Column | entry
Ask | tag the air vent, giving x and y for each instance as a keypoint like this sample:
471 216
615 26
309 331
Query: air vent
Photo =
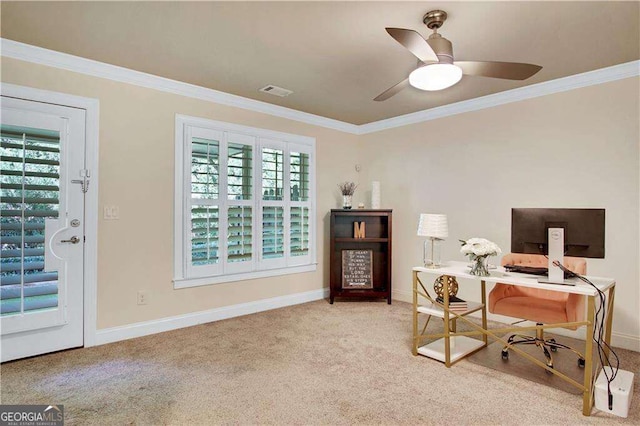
275 90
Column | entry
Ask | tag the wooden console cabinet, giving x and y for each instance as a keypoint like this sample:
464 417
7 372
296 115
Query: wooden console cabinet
360 253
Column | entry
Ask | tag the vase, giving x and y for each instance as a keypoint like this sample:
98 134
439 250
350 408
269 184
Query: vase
375 195
480 266
346 201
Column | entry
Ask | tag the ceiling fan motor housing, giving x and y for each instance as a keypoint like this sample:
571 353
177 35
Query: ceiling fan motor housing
442 47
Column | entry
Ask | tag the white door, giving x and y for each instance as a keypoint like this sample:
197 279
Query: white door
42 184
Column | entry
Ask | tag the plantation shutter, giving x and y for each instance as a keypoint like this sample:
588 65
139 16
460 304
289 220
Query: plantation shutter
29 194
273 204
239 170
300 211
299 176
204 235
240 203
239 231
299 233
246 207
204 201
272 232
272 174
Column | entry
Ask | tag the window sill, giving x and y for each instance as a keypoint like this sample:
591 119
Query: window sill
179 283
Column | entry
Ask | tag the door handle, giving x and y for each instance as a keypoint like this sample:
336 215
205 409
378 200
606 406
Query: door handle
72 240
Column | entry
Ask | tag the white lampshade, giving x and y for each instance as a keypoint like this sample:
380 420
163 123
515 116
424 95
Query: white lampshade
435 76
433 226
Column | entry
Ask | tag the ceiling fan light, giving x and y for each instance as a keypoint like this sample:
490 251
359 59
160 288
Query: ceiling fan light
435 76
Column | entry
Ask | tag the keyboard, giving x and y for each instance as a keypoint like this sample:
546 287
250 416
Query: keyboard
532 270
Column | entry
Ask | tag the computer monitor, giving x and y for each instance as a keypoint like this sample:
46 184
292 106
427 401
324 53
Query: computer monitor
583 231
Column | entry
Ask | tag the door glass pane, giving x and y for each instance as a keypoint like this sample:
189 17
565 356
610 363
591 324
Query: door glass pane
204 235
299 232
272 232
272 174
239 168
239 245
29 194
299 176
205 161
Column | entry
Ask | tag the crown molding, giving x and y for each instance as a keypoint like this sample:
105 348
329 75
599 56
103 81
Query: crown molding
51 58
590 78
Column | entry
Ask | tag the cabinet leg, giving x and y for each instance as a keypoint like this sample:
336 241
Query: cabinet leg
389 300
331 300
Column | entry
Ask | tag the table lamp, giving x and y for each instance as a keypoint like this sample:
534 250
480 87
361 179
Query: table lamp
435 227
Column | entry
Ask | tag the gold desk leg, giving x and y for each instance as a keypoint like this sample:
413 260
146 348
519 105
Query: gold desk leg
609 319
588 358
414 349
447 341
483 289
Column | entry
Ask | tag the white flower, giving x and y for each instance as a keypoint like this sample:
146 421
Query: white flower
479 247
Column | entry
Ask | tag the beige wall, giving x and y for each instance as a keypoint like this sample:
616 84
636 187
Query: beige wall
136 173
572 149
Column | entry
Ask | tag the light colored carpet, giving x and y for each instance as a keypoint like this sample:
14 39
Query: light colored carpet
346 363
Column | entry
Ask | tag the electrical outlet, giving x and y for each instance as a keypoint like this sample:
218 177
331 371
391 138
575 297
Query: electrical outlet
143 298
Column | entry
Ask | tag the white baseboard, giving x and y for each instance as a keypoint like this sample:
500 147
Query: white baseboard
130 331
618 340
403 296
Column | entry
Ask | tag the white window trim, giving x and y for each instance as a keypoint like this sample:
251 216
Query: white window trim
182 202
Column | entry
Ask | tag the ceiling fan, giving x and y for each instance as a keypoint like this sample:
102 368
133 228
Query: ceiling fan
436 68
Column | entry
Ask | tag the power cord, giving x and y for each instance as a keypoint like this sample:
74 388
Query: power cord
598 334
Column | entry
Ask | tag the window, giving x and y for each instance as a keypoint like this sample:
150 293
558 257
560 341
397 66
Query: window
257 187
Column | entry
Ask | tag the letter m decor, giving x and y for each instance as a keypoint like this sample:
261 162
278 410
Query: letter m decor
359 229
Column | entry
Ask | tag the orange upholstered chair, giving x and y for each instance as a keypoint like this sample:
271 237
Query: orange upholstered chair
537 305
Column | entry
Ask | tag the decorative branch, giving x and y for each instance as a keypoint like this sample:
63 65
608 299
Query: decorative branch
347 188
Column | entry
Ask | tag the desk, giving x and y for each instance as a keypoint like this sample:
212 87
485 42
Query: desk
453 346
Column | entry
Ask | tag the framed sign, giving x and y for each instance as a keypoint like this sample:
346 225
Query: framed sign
357 268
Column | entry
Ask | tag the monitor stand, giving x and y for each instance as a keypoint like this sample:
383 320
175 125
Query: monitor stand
561 282
556 253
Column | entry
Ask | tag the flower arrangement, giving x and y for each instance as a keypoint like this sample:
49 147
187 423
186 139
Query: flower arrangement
476 247
478 250
347 188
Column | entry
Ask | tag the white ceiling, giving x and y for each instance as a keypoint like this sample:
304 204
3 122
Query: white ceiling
335 56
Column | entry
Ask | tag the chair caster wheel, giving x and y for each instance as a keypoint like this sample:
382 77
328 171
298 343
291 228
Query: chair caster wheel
550 366
581 362
553 348
505 354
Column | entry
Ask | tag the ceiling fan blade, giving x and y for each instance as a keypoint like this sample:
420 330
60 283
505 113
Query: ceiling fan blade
413 41
507 70
392 90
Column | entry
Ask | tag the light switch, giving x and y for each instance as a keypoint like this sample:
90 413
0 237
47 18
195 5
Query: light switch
111 212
